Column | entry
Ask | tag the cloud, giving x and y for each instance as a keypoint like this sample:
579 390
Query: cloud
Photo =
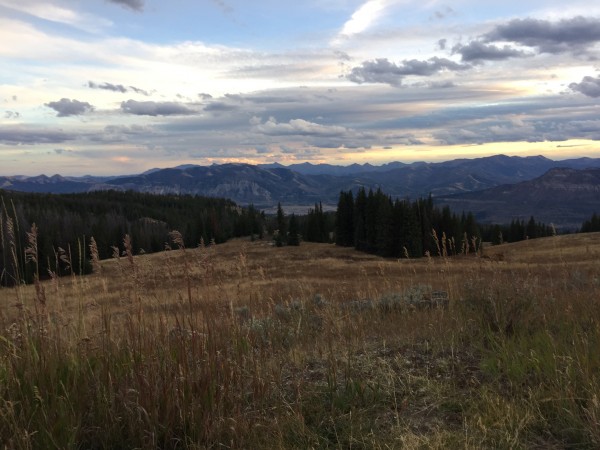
383 71
52 12
262 149
132 130
575 34
510 129
589 86
135 5
203 96
477 51
155 108
220 107
23 136
298 127
107 86
117 88
342 56
11 115
223 6
443 13
441 85
363 17
139 91
66 107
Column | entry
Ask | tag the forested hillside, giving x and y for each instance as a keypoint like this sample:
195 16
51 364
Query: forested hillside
66 223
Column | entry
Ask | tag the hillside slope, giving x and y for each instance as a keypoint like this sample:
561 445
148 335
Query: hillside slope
565 197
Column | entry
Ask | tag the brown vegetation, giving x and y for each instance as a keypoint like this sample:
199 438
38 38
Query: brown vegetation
245 345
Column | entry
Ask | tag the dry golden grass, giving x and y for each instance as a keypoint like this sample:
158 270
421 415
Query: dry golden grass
245 345
258 275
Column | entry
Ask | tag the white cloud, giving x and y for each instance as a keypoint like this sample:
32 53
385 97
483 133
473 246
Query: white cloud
298 127
54 13
364 17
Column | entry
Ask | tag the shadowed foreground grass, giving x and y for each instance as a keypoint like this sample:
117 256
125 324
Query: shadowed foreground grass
248 346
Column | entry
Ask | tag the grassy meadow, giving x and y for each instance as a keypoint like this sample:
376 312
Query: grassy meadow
244 345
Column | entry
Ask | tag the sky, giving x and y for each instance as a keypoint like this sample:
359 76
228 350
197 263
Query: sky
110 87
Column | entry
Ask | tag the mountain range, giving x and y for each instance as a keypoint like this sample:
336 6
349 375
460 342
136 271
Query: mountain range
496 188
562 196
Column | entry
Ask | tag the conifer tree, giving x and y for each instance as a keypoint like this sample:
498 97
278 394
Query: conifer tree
293 236
360 220
344 223
281 235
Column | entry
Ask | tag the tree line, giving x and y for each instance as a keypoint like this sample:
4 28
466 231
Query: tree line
591 225
374 222
517 230
314 226
67 222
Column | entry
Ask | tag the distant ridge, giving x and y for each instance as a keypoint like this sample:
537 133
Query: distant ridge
563 196
307 168
302 185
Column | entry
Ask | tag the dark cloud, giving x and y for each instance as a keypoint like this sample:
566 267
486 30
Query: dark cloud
135 5
155 108
383 71
11 115
342 56
441 85
108 86
477 51
235 97
575 34
204 96
139 91
262 149
219 107
22 136
442 44
66 107
589 86
117 88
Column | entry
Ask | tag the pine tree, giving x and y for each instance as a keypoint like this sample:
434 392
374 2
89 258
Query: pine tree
281 234
293 236
531 230
360 220
344 220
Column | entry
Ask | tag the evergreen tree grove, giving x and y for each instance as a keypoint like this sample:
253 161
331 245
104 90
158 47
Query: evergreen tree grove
591 225
375 223
69 221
